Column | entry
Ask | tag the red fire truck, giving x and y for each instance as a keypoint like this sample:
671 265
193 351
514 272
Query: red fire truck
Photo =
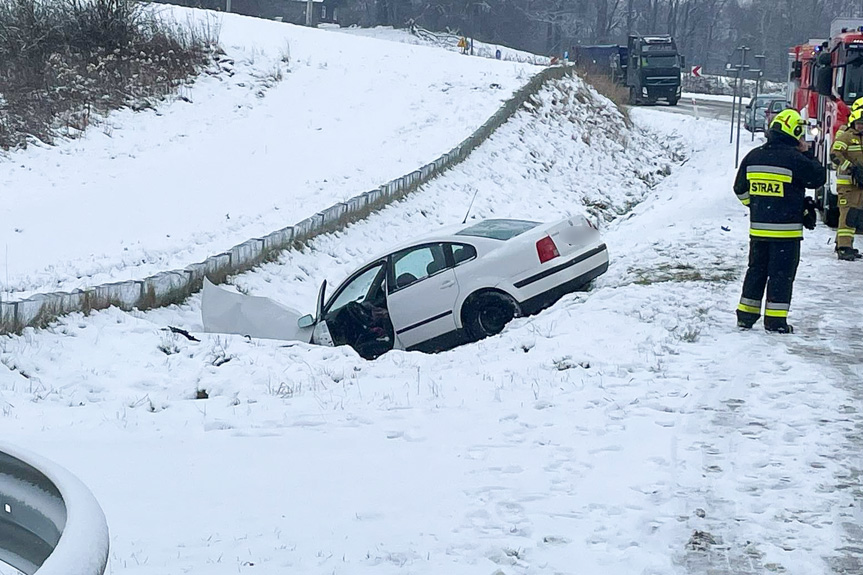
826 76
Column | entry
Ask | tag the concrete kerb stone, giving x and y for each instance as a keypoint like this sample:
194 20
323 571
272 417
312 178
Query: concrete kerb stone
278 240
37 310
8 317
275 242
333 217
374 199
246 255
165 288
308 228
357 205
173 286
124 295
41 309
215 268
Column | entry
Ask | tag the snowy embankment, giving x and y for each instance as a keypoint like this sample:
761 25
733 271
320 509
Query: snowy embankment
292 121
629 429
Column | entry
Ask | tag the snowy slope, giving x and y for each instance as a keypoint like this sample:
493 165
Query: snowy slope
629 429
157 190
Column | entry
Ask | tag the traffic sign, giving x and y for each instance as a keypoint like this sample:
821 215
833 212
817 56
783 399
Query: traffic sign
696 71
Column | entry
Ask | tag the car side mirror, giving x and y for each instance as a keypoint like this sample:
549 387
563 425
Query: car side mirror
306 321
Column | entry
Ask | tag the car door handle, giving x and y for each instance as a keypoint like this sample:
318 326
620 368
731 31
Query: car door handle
447 284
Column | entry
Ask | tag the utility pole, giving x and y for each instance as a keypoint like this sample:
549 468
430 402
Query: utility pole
629 18
760 70
740 67
310 13
740 108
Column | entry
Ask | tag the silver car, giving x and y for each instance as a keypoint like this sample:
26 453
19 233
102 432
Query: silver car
760 111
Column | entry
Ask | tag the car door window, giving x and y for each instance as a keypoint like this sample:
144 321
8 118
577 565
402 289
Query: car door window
356 290
462 253
415 264
777 106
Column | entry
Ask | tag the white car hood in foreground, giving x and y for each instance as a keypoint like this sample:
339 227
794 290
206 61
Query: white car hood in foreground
224 311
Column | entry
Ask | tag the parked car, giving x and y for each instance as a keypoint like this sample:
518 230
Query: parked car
459 284
760 111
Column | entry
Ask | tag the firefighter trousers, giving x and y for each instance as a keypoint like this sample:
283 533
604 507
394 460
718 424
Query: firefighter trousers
850 204
772 265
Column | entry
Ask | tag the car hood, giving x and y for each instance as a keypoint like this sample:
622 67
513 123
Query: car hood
224 311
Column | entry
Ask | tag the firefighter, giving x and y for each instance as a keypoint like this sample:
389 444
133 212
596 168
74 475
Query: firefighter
858 103
847 158
772 182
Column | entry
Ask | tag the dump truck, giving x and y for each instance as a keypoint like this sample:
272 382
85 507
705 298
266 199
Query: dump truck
649 66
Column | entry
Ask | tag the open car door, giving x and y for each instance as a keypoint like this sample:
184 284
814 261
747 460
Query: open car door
223 311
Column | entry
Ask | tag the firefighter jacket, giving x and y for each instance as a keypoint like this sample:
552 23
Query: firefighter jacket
772 181
846 153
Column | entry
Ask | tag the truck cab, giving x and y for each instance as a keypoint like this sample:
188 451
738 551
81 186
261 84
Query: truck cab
653 69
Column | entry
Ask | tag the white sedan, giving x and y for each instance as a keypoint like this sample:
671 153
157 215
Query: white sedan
459 284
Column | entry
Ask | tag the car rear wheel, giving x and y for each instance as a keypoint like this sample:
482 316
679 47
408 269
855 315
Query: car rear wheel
487 313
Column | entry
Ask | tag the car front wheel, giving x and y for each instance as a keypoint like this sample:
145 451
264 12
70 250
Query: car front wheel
487 313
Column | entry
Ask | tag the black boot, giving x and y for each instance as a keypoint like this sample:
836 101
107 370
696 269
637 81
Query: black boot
848 254
785 328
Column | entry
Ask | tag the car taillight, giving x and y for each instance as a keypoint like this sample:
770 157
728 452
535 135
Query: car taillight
546 250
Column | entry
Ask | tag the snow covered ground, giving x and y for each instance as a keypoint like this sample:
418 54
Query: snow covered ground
630 429
241 156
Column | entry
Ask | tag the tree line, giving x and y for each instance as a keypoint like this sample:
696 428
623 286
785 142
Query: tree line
708 32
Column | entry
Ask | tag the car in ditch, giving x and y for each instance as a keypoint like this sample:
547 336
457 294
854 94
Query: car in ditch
459 284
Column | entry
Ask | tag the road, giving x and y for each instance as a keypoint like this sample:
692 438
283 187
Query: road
712 109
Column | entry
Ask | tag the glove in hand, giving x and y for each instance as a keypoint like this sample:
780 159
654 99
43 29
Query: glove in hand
809 213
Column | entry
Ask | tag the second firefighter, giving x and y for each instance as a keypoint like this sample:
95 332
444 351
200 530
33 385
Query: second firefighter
772 181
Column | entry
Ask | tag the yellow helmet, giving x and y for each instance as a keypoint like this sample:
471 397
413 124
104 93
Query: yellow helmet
856 115
789 122
858 103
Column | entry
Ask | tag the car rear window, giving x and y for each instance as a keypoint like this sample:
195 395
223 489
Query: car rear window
498 229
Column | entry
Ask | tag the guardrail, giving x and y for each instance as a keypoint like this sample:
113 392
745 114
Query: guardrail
173 287
50 523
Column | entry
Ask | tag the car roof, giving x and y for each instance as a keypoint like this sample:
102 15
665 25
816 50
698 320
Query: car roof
448 233
770 97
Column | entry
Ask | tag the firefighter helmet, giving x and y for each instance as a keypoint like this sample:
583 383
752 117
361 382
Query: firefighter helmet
856 116
789 122
858 103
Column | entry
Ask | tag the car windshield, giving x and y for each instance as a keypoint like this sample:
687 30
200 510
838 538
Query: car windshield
498 229
762 102
660 62
853 76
